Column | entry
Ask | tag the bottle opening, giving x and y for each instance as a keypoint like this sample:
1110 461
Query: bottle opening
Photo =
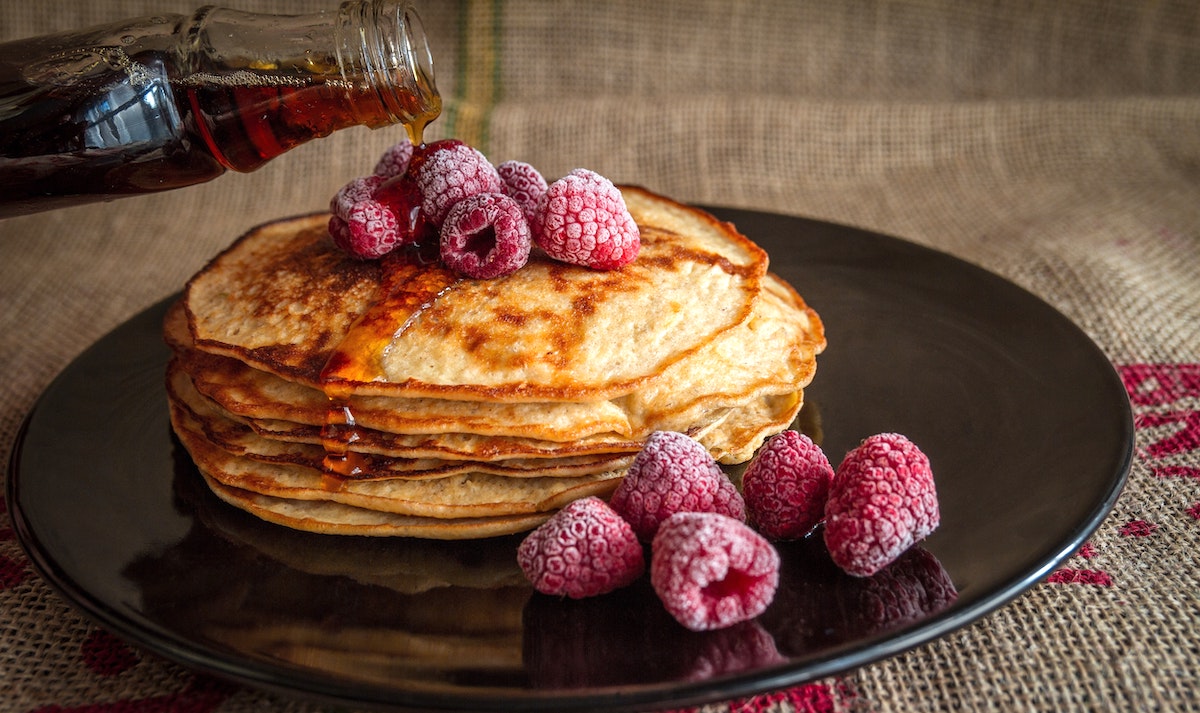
420 59
386 42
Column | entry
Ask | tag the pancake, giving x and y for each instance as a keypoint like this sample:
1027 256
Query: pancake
466 495
223 430
445 451
451 446
256 394
722 374
285 300
735 439
394 398
771 354
467 446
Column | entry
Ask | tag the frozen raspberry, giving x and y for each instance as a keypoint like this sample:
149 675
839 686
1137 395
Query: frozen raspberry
356 191
882 500
368 231
712 571
582 219
584 550
447 172
394 161
786 486
524 184
673 473
485 236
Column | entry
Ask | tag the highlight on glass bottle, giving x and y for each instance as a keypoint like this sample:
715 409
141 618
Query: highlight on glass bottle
168 101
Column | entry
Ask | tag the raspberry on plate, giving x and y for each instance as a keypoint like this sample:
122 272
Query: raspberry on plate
584 550
881 502
484 236
673 473
786 486
582 219
524 184
712 571
447 172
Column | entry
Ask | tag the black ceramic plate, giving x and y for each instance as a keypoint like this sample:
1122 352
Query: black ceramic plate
1026 423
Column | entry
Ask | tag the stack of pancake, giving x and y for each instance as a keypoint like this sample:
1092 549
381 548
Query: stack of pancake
393 397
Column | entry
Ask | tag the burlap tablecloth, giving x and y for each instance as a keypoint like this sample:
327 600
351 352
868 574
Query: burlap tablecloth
1057 144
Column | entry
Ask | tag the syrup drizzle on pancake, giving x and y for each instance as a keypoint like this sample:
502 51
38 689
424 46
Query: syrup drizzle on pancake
410 283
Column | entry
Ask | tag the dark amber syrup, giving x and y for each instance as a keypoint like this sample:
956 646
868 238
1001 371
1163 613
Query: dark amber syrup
113 130
408 285
246 125
338 436
126 125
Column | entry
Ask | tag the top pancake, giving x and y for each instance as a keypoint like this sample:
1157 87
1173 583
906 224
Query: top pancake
284 299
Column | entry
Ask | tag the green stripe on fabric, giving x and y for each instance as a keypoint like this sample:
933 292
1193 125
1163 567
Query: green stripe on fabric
477 88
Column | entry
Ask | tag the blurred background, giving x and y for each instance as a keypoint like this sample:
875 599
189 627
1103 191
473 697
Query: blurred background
975 127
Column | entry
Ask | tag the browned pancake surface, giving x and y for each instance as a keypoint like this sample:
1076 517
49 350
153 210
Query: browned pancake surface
285 300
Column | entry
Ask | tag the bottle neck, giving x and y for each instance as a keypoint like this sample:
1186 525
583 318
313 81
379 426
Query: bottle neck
259 85
382 49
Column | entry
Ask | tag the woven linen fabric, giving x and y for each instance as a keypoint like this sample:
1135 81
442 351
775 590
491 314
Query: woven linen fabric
1056 144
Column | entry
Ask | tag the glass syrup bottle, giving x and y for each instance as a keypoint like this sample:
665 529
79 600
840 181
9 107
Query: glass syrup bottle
163 102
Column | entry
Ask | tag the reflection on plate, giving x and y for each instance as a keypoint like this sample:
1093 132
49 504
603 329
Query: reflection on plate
1028 428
